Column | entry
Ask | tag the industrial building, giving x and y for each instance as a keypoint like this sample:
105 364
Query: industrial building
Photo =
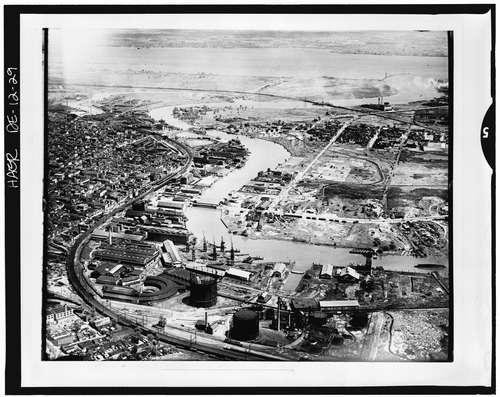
119 293
338 305
304 304
127 252
172 252
59 313
61 338
110 269
326 271
348 274
160 233
380 105
279 269
238 274
264 297
130 280
164 288
205 270
171 204
101 234
107 280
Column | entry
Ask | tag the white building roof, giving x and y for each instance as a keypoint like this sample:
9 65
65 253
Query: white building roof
349 271
115 269
279 267
327 269
350 303
205 269
238 273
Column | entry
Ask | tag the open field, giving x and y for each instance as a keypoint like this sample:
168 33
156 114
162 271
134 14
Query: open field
420 174
417 201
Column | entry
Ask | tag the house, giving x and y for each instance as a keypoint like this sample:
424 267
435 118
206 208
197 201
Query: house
326 271
348 274
279 269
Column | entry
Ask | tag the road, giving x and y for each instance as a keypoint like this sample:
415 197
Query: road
371 341
388 180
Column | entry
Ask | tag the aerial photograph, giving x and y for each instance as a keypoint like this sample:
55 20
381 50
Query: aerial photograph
257 195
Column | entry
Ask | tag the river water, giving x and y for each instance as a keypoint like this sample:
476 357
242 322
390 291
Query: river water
262 155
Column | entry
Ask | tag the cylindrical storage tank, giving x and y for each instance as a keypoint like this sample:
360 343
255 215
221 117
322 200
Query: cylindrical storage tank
245 325
318 319
203 292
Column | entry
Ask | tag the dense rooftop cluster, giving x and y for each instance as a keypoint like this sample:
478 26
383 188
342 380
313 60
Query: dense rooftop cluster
97 162
90 336
232 153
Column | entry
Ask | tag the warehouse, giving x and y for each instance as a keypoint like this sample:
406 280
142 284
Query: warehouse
157 233
326 271
338 305
108 280
238 274
101 234
176 205
199 268
130 280
172 251
304 304
279 269
348 274
133 253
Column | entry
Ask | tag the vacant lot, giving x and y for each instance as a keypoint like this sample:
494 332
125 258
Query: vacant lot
421 173
417 201
352 191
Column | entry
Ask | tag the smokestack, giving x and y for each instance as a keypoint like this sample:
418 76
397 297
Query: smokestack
110 238
279 314
232 253
206 319
214 250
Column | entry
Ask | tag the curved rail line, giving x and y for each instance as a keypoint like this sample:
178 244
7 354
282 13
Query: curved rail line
89 295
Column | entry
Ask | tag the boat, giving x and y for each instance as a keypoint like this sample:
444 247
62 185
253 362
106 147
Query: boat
429 266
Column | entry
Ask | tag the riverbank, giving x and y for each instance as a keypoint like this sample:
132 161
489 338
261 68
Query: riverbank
206 222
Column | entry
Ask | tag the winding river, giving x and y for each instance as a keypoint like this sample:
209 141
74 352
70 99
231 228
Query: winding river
262 155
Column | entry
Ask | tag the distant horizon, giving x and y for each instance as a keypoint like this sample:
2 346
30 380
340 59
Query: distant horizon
378 42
